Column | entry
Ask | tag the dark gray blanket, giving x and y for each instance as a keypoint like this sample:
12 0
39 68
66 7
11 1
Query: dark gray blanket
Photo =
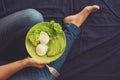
95 54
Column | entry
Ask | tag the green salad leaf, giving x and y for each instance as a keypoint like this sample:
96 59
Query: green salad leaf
53 29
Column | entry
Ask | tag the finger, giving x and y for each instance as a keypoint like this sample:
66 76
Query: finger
43 62
40 66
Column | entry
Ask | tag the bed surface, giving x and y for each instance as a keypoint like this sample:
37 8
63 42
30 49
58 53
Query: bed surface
95 54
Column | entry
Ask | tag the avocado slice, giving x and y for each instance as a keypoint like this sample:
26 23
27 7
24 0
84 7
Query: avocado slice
53 50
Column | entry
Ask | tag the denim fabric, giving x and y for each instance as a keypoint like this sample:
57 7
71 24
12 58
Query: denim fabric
13 30
71 33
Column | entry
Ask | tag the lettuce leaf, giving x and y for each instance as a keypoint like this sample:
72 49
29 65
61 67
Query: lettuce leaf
53 29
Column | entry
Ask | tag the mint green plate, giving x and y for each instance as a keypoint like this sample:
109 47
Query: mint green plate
55 47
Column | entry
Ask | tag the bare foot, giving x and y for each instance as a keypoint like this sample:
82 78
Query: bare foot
80 17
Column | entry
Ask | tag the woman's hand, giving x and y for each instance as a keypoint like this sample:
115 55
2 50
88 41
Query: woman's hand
8 70
34 62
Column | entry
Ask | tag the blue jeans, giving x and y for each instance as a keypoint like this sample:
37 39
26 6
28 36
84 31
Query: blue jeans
13 29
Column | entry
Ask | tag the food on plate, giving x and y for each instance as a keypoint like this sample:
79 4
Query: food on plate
44 37
48 39
34 37
52 51
41 49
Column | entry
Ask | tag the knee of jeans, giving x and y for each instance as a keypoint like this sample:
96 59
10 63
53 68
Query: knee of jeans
33 15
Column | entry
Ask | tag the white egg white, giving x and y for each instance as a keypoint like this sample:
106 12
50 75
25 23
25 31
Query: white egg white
41 49
44 37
